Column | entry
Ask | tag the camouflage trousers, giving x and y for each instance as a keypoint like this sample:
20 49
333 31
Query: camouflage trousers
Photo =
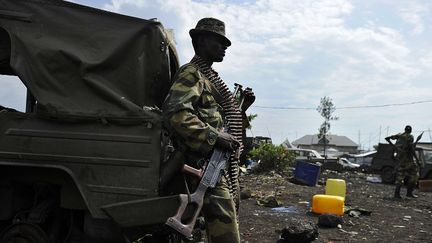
407 169
220 214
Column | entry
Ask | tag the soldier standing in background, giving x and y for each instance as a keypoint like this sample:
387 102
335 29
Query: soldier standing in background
198 106
408 168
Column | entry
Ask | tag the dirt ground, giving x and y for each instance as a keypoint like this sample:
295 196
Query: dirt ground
391 220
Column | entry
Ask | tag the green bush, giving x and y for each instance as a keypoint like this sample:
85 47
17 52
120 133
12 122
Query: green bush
273 157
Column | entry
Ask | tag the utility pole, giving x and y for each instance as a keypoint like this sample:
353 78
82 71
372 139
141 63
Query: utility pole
359 143
268 132
325 156
379 136
370 137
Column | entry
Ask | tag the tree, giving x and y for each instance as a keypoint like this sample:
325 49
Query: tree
251 117
273 157
326 109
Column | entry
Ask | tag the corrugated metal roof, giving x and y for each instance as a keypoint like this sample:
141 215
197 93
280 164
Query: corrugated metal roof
332 140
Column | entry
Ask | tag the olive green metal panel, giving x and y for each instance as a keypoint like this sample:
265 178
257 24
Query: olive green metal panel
143 212
109 163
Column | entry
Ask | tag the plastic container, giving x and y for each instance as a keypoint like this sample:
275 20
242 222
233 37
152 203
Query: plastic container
307 173
328 204
335 187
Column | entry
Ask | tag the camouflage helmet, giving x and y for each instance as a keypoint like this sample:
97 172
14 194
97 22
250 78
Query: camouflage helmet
210 26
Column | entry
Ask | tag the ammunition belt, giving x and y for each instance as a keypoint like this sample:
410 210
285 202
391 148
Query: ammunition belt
233 118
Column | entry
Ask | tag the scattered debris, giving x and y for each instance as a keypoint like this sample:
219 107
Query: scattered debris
362 199
349 232
290 209
374 179
304 202
242 169
269 201
357 212
299 231
245 194
354 213
329 220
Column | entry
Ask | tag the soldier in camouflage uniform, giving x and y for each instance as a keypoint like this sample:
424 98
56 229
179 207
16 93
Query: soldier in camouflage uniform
196 109
407 168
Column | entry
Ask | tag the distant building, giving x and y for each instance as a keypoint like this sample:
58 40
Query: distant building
336 145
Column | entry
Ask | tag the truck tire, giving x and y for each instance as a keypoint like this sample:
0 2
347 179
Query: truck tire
388 175
25 233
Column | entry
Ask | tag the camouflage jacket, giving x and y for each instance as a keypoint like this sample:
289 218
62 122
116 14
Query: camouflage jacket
191 112
404 146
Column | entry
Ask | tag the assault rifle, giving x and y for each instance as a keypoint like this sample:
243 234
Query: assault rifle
211 176
413 149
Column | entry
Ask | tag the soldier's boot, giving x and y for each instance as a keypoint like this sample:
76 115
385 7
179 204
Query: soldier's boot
397 192
410 190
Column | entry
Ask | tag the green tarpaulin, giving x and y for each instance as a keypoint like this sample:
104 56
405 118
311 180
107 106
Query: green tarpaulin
84 62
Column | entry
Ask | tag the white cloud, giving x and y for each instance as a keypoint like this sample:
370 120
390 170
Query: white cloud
414 14
426 60
116 5
294 52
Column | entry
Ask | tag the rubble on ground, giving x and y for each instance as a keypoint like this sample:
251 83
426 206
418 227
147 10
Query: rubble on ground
371 213
299 230
329 220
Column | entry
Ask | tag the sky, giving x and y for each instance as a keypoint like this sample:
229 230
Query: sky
373 58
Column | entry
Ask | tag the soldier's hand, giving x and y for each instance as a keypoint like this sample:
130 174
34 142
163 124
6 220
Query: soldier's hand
227 141
249 98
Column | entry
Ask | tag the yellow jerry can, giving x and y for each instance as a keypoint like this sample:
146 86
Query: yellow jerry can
335 187
328 204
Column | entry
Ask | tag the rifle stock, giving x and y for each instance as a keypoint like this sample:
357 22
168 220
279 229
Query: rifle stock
192 171
210 177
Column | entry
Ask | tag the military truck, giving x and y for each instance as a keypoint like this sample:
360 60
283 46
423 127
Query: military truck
83 163
384 162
